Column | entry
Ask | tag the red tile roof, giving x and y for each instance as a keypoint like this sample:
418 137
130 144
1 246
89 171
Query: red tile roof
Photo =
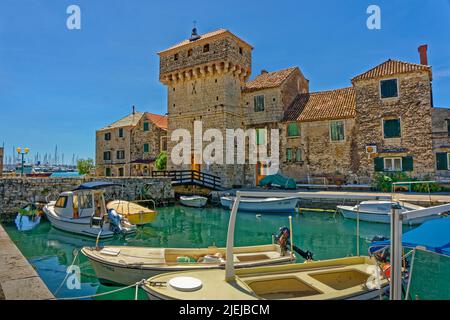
130 120
268 80
157 119
325 105
391 67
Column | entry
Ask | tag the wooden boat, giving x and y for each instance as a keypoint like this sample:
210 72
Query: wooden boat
136 214
380 211
193 201
345 278
263 205
83 211
128 265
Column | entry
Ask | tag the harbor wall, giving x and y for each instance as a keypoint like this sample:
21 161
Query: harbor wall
16 192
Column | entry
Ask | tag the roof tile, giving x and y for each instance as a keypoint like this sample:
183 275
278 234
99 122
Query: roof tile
268 80
391 67
325 105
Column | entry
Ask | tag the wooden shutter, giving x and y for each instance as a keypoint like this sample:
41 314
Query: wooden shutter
379 164
441 161
391 128
407 164
292 129
388 88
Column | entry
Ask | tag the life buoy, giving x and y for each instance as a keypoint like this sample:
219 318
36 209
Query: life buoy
386 267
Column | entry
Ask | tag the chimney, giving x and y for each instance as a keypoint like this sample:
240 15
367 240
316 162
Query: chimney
423 54
264 71
134 110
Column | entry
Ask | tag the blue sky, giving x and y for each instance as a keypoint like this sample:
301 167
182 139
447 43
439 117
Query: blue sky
57 86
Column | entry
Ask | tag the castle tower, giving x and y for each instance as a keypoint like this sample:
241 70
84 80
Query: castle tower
204 76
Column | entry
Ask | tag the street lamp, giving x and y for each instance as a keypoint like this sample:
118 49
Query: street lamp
25 151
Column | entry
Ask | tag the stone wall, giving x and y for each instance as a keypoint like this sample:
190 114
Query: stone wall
441 136
412 107
16 192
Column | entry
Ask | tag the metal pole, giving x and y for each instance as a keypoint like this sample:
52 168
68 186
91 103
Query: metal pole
410 274
357 231
22 170
396 253
292 236
229 266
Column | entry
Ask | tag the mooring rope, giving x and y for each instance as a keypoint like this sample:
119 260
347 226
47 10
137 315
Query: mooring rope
136 285
67 274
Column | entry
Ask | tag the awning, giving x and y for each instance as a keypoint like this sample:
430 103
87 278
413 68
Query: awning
94 185
433 235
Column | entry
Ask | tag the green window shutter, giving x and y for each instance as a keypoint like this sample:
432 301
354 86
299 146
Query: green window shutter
388 88
260 136
146 147
293 129
407 164
379 164
299 155
258 102
337 130
146 126
448 127
441 161
288 154
392 128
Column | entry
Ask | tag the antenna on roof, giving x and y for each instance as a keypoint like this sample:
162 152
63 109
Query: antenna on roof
194 34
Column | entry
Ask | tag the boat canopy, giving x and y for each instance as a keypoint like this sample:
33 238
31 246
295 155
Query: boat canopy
278 180
95 185
432 236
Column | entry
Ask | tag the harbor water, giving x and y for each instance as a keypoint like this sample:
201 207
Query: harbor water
327 235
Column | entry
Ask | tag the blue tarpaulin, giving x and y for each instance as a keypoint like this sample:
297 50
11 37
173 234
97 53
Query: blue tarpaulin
96 185
433 235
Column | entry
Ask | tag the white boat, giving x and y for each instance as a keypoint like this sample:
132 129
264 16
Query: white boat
193 201
83 211
28 217
263 205
380 211
126 265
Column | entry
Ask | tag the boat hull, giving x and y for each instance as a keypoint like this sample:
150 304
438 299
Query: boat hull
279 205
378 217
79 226
195 202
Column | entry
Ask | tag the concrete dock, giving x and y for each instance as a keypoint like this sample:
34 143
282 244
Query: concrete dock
18 279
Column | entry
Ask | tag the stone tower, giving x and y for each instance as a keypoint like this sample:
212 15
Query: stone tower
204 76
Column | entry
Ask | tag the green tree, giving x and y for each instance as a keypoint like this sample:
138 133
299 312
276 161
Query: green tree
85 166
161 161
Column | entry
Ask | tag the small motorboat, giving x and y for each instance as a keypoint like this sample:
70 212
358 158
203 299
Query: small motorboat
28 217
380 211
136 214
351 278
83 211
193 201
127 265
263 205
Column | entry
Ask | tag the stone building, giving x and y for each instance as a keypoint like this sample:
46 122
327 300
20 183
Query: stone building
129 146
441 141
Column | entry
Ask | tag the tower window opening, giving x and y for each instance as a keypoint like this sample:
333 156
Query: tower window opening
206 48
240 50
175 56
189 52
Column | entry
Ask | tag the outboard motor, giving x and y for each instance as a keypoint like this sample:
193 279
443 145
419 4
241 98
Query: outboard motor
283 239
115 221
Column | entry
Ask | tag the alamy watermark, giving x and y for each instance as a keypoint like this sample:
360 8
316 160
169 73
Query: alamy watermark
73 22
374 20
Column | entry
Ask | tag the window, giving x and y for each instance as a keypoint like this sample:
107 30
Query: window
260 136
121 172
108 136
337 131
61 202
448 127
108 172
258 103
293 130
393 164
175 56
146 126
443 161
163 143
146 147
298 155
388 88
107 155
206 48
121 133
288 154
391 128
120 154
189 52
241 50
85 201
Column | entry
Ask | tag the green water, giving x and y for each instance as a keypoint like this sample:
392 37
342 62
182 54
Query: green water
327 235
